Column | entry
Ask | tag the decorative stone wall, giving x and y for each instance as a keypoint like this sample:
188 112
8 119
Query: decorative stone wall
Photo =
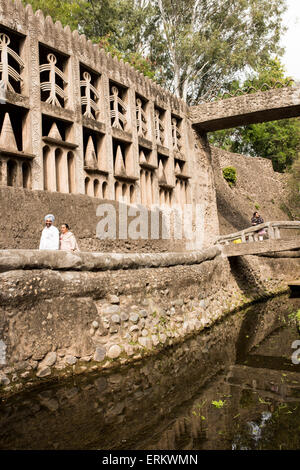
60 322
74 120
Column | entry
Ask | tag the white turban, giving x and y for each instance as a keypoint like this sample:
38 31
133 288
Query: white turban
50 216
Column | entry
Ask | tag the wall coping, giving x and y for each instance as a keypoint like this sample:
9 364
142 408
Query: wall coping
89 261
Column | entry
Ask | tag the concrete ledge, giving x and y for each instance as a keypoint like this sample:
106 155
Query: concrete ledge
256 248
84 261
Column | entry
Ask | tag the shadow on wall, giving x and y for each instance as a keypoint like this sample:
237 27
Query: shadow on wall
245 277
228 211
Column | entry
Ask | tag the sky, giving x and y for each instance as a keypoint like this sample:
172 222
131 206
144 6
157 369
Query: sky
291 39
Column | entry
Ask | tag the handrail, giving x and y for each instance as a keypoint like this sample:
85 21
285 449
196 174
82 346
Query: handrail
250 234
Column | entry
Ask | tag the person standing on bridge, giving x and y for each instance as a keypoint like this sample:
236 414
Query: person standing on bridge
257 220
50 235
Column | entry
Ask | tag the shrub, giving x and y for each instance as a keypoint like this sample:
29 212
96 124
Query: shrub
229 174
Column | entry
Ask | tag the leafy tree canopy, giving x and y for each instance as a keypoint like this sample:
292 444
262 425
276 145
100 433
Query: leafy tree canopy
194 45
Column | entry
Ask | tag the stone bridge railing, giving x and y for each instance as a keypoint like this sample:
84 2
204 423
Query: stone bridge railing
271 229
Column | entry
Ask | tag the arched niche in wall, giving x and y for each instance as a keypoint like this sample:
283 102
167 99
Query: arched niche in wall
26 175
71 172
132 193
104 190
86 184
96 188
11 173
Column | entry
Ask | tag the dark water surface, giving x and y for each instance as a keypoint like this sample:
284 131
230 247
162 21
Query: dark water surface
234 386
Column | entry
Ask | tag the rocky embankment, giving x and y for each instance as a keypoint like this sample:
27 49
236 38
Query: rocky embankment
59 320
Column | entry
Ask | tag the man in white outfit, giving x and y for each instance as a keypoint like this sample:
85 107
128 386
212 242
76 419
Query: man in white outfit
50 235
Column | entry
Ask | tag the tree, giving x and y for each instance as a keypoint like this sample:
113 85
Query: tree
202 43
114 24
277 140
195 45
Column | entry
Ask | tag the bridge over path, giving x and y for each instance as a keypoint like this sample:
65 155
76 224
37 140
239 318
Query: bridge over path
247 242
271 105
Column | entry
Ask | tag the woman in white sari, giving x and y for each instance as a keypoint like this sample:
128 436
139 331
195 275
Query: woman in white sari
67 239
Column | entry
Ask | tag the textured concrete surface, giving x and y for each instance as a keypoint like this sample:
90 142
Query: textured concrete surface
262 106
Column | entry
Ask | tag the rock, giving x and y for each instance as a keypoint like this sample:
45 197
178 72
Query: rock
134 328
113 329
100 384
162 338
134 318
178 302
100 354
86 358
186 327
25 374
113 299
202 303
92 331
61 352
145 332
50 359
126 336
33 364
43 372
111 309
71 360
50 403
4 380
124 316
129 349
145 342
116 319
143 313
114 351
95 324
155 340
116 410
145 303
179 319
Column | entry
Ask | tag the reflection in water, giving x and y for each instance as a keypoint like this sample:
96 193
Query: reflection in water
231 387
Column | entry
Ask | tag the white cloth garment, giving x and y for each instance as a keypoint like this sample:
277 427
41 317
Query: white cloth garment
49 238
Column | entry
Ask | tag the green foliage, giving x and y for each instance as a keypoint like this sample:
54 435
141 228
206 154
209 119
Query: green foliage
105 22
257 206
192 47
278 141
229 174
294 189
219 403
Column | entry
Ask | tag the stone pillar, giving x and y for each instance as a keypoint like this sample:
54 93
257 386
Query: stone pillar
51 170
19 176
3 181
148 189
143 187
63 173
